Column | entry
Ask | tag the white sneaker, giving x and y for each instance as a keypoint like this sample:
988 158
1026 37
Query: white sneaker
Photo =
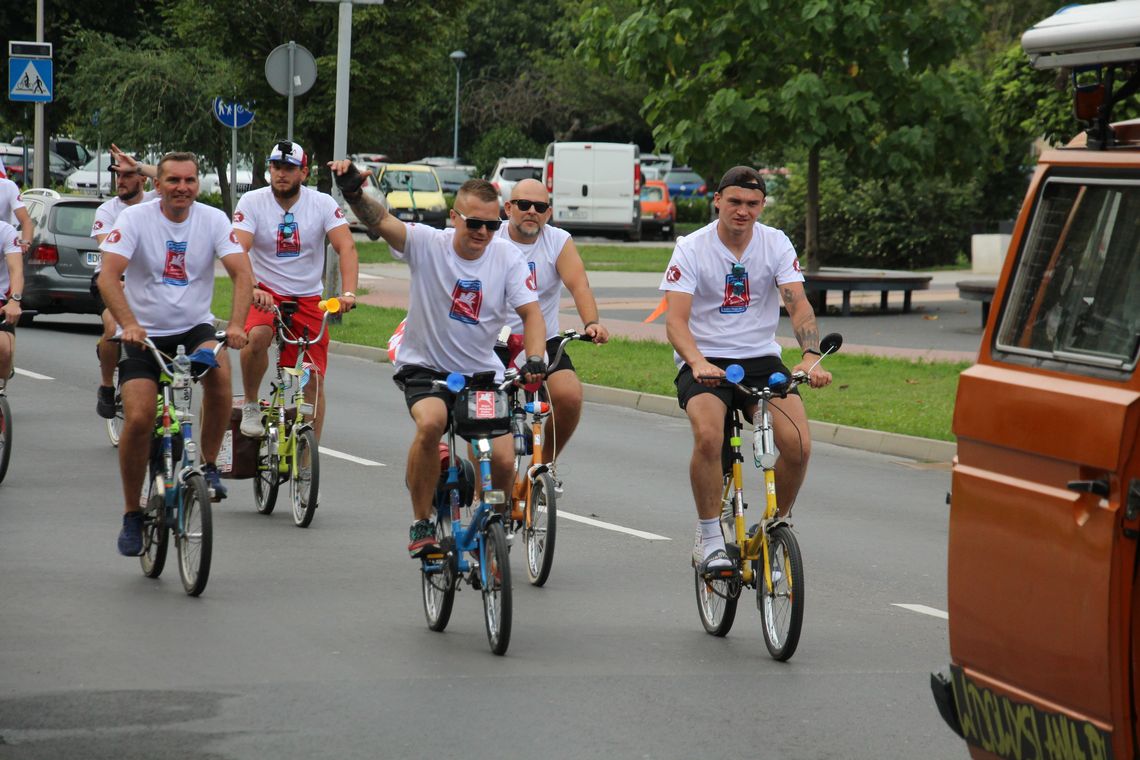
251 421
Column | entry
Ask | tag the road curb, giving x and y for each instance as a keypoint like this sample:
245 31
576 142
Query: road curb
892 444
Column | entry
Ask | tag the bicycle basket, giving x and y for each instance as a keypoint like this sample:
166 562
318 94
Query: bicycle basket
481 413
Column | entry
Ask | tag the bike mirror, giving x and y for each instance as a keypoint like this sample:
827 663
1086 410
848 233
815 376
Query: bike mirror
830 343
204 356
455 382
734 373
777 380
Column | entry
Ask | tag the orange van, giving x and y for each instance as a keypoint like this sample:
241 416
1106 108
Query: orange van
1045 494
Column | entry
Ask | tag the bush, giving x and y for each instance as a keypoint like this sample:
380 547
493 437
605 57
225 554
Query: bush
502 142
692 209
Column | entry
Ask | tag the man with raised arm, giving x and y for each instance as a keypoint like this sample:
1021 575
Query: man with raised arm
465 284
724 285
166 249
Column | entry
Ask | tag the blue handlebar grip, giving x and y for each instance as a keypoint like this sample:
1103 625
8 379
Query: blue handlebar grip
734 373
455 382
777 380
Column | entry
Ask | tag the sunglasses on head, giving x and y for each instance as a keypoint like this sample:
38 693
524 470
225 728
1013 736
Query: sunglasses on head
525 205
287 226
474 224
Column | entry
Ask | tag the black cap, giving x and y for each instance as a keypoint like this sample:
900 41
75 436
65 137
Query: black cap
742 176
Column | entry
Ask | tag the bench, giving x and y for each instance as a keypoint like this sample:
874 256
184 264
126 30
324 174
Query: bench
978 290
817 283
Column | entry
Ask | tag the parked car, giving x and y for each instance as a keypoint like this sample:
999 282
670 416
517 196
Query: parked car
370 158
72 151
93 178
683 182
209 182
369 187
413 194
509 171
595 187
658 212
453 177
656 166
58 167
62 256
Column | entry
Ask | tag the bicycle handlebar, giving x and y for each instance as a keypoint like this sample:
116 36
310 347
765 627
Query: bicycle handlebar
166 362
331 306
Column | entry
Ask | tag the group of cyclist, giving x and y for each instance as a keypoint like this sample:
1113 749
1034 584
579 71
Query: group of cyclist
724 286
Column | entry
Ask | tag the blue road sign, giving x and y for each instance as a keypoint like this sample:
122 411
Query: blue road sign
30 79
232 115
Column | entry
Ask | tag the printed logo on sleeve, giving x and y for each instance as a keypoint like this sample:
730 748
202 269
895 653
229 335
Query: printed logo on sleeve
796 265
174 273
466 301
98 225
673 273
238 217
532 280
115 236
339 213
233 238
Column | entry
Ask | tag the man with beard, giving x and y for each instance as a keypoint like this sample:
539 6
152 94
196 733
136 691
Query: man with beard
129 183
283 228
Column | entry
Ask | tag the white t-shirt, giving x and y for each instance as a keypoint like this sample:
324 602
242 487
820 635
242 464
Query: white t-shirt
9 243
170 277
542 261
734 316
9 200
290 264
108 212
457 307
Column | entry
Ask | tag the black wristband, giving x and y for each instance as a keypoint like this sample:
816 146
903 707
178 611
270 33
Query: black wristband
589 324
807 351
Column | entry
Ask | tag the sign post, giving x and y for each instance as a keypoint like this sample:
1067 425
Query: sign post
30 80
235 116
290 70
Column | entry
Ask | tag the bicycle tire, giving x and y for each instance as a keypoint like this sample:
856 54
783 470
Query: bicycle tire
5 436
156 533
115 424
305 483
196 539
268 477
541 529
716 604
782 610
496 582
439 586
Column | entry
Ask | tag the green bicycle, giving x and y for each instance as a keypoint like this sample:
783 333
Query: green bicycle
287 450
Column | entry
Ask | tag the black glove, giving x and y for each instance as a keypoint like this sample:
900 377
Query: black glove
350 182
535 365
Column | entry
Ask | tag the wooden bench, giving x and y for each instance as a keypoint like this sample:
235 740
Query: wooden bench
978 290
846 280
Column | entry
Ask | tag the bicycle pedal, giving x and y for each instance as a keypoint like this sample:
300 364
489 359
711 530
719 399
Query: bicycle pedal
721 574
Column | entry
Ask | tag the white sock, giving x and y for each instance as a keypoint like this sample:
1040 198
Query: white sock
711 536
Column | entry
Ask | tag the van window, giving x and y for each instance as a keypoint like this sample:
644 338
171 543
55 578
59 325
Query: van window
1076 299
519 173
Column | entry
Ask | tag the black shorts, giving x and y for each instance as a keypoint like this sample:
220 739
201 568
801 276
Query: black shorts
415 382
96 294
756 374
551 348
139 362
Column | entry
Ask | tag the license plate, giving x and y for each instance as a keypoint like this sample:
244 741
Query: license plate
93 258
88 191
572 214
406 215
647 215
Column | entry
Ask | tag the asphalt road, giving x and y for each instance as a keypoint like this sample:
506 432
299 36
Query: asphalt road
312 643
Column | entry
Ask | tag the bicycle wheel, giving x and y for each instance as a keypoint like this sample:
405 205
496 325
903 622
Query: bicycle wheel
782 610
540 532
196 540
496 587
306 478
156 533
439 584
716 603
115 424
5 436
268 476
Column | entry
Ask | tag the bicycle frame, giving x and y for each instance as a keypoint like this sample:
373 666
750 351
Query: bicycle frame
754 547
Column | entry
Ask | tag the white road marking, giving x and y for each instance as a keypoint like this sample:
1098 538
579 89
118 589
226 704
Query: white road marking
363 276
924 610
351 458
33 375
611 526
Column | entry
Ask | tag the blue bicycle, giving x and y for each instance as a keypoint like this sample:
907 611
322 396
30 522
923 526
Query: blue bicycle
470 531
175 498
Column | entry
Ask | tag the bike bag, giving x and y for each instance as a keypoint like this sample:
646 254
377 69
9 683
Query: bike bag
481 411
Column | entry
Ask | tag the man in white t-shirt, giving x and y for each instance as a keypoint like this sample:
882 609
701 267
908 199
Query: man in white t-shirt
129 191
11 283
553 261
283 228
464 285
724 284
12 209
166 249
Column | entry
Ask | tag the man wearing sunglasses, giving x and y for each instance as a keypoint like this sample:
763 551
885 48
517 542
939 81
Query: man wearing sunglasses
465 284
724 286
553 261
283 228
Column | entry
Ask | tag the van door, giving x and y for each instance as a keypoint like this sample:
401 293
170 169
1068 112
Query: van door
612 189
573 176
1042 550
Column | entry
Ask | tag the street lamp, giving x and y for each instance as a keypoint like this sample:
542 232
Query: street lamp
457 57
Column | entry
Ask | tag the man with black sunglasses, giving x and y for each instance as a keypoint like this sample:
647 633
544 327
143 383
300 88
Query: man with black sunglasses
465 284
553 261
283 228
724 284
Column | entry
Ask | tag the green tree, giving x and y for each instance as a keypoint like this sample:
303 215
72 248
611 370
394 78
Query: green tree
502 142
760 80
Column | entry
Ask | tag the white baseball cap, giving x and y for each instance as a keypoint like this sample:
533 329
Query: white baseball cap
289 152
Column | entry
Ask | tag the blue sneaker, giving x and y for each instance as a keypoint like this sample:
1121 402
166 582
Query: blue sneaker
214 482
130 537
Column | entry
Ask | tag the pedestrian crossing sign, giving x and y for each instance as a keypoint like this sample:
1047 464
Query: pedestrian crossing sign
30 80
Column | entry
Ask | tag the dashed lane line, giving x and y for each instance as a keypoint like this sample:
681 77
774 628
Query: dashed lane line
922 609
611 526
350 457
33 375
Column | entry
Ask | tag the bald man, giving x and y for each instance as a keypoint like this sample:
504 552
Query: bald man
554 261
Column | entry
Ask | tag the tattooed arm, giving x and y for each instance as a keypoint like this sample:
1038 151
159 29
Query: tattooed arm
370 211
806 330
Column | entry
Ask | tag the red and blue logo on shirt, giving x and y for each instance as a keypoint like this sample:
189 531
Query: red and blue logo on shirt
532 280
466 301
736 293
174 273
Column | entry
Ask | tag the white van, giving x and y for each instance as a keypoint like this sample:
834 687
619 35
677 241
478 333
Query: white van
595 187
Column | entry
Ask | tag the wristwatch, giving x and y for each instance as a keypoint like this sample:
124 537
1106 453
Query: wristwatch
16 297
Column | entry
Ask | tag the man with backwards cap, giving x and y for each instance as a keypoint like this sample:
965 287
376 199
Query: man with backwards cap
283 228
724 286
